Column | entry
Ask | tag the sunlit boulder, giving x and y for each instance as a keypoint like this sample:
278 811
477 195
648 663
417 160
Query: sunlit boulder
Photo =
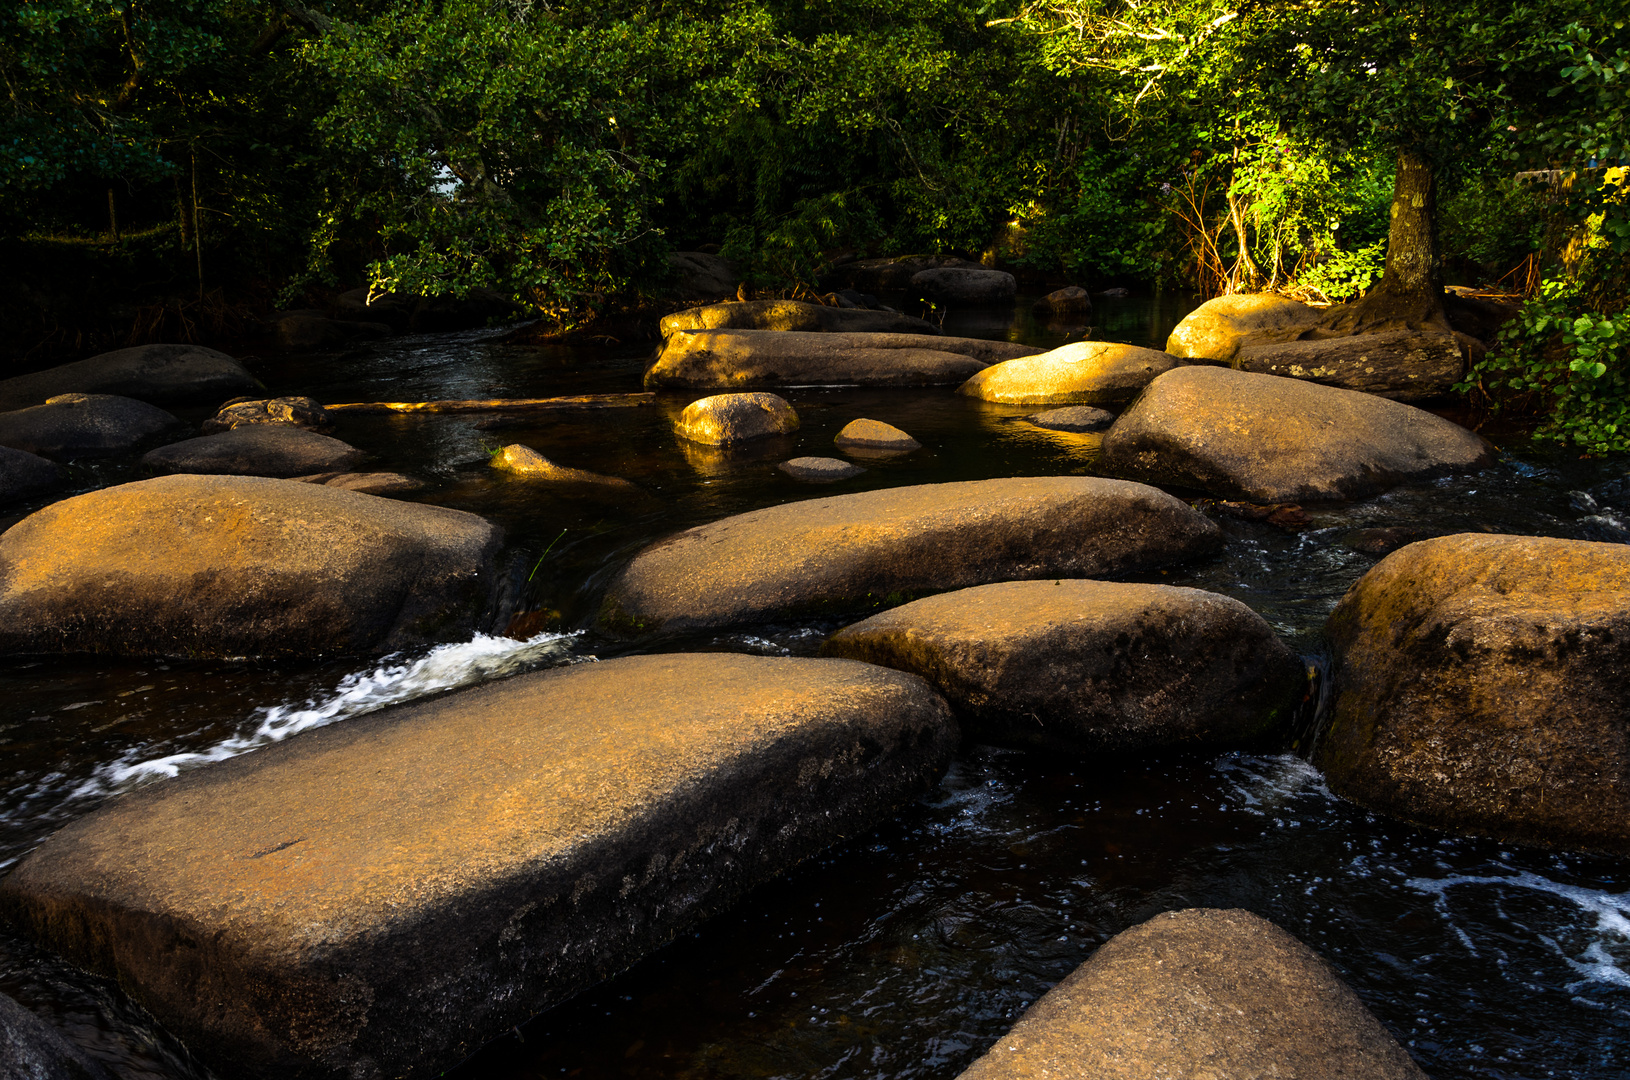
1216 329
1080 373
727 419
793 315
874 436
527 462
737 359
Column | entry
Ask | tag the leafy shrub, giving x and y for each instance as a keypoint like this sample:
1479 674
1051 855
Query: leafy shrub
1346 274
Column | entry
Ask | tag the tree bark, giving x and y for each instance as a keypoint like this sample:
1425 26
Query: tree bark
1410 293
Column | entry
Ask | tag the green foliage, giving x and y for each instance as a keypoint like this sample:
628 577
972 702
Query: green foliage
1346 274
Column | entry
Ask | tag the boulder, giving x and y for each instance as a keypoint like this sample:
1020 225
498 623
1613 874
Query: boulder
699 276
820 470
875 435
234 565
727 359
881 548
726 419
1406 365
157 374
292 411
1265 439
24 475
527 462
964 287
378 898
1079 667
1073 300
30 1049
270 450
300 331
1080 373
1481 684
1216 329
84 425
793 315
1199 993
1074 418
373 483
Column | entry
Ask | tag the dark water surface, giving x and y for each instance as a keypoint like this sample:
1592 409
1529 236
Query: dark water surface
907 952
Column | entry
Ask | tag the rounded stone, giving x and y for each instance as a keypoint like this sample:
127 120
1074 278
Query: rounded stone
84 425
1077 418
738 359
792 315
725 419
820 470
24 475
874 435
527 462
966 287
261 450
1217 328
1080 373
1071 300
293 411
158 374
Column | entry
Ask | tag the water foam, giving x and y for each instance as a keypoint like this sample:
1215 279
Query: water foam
446 667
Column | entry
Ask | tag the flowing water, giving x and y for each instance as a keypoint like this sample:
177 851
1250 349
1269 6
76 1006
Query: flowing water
907 952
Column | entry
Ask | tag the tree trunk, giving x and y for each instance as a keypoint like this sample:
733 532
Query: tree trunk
1410 294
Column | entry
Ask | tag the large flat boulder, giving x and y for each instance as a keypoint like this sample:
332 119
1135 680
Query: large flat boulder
1265 439
733 359
1080 373
380 897
24 475
966 286
235 566
1217 329
1406 365
1482 684
265 450
1080 666
1199 993
881 548
157 374
793 315
84 425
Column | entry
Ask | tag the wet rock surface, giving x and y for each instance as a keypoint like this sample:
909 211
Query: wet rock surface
1218 328
72 426
1265 439
240 566
1080 373
1199 993
1480 684
728 419
263 450
1078 666
882 548
380 897
157 374
24 475
820 470
966 287
727 359
527 462
30 1049
874 435
793 315
1073 418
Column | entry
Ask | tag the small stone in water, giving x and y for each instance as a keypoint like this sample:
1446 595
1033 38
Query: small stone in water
819 470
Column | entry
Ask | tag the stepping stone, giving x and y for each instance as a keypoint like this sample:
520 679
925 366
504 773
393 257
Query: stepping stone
1199 993
736 359
1080 373
527 462
881 548
1076 418
382 896
266 450
966 287
1264 439
241 566
726 419
1478 686
158 374
24 475
793 315
875 435
1079 666
293 411
84 425
819 470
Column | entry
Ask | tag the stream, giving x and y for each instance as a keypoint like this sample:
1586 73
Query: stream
909 951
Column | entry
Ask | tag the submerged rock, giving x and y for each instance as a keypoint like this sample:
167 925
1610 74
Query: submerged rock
1084 666
380 897
793 315
30 1049
966 287
291 411
238 565
1080 373
726 419
1265 439
1199 993
882 548
1072 300
157 374
1076 418
1402 364
1216 329
84 425
269 450
1480 684
527 462
875 435
742 358
820 470
24 475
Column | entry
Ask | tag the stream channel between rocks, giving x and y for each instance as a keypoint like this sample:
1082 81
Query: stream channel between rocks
909 951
